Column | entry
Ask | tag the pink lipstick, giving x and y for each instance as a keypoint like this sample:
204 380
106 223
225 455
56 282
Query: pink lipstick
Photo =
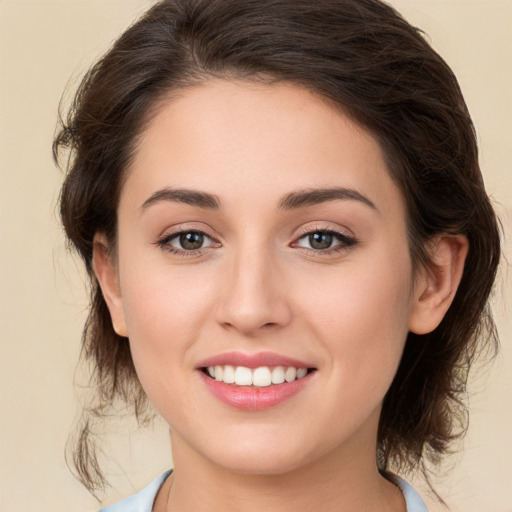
254 382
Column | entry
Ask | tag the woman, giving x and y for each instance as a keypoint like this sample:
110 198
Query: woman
290 247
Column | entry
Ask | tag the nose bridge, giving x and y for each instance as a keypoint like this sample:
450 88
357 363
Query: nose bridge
254 296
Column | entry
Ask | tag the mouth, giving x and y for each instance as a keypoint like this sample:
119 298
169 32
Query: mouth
255 382
260 377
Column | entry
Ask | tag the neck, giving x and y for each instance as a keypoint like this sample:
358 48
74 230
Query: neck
336 482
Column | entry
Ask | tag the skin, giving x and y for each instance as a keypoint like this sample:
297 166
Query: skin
256 285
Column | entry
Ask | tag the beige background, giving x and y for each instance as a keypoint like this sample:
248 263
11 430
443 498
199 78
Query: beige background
42 301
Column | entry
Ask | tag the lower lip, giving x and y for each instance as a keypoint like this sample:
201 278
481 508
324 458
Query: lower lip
254 398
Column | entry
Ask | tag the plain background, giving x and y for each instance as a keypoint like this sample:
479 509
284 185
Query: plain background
48 44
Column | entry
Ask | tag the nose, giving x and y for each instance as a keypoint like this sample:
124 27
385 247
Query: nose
254 294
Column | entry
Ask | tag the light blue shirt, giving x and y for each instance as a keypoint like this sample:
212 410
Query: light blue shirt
143 500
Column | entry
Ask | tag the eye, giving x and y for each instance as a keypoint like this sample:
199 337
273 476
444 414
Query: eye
325 241
186 242
319 240
189 241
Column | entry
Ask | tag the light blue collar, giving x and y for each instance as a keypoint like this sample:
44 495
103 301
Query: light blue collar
143 501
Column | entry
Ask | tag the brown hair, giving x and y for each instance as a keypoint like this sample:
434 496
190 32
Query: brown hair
360 54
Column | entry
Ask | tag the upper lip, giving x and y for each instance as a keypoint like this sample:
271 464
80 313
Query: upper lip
254 360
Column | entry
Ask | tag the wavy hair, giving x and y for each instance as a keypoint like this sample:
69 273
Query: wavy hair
361 55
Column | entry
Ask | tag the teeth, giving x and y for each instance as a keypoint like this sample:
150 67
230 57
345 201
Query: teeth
262 377
258 377
243 376
278 375
290 374
301 372
229 374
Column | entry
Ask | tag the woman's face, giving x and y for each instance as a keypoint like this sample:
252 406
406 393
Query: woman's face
259 228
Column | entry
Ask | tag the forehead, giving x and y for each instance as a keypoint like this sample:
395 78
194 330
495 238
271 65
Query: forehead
237 138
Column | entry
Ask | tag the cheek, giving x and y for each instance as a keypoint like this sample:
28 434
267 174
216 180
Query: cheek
361 315
164 305
166 310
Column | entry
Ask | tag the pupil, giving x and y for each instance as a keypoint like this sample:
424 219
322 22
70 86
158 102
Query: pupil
191 241
320 240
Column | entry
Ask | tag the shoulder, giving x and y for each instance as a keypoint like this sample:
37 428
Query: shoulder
412 498
142 501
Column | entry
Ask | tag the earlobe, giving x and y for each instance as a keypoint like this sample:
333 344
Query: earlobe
106 272
436 285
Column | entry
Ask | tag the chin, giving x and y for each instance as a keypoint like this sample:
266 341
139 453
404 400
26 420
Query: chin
271 457
270 464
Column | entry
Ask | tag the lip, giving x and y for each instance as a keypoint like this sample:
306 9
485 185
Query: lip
248 398
253 360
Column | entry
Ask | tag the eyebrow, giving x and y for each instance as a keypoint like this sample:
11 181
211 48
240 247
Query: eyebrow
191 197
310 197
292 201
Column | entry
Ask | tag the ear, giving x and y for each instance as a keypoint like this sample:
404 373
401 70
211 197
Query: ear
435 286
105 269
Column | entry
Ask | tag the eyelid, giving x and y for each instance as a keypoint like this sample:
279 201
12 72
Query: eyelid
164 239
324 226
187 227
175 236
346 240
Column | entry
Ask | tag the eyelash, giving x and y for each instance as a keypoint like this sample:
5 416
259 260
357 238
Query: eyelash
165 241
344 240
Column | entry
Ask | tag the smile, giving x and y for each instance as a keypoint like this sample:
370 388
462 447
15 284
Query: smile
255 382
262 376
